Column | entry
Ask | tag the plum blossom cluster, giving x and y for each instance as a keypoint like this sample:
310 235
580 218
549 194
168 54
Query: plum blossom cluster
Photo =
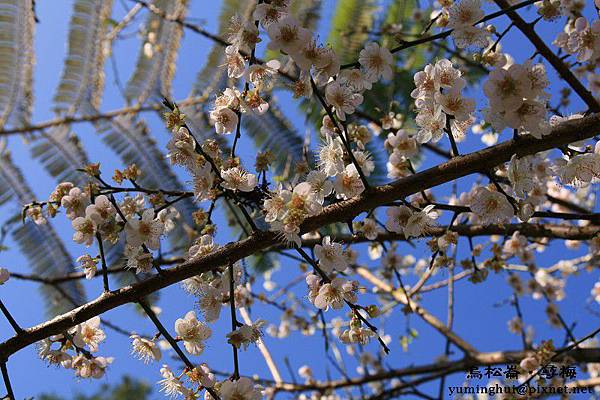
517 99
75 350
95 216
581 38
410 222
580 169
212 288
440 103
463 18
402 145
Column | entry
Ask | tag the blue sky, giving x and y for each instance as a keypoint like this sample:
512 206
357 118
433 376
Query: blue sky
480 317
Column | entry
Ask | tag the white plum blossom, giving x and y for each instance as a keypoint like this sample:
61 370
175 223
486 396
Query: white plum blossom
520 175
320 184
224 119
262 75
376 62
91 368
517 99
462 15
85 230
237 178
101 211
420 222
330 255
144 231
431 121
364 161
286 210
329 66
138 259
397 218
439 101
370 229
453 103
269 13
182 149
246 334
88 334
335 293
343 100
357 334
236 65
402 142
203 181
355 79
348 184
579 170
89 265
287 35
331 156
582 39
210 302
75 203
241 389
491 207
170 384
202 246
193 333
145 349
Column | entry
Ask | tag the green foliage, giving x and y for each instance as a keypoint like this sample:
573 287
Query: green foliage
352 22
128 389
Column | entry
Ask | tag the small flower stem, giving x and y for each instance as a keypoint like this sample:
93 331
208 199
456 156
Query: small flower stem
10 394
10 318
354 307
504 32
517 305
215 169
116 205
345 140
234 323
165 333
448 129
252 60
473 260
238 129
103 262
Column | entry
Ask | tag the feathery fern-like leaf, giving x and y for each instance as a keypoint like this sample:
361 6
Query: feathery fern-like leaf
352 22
40 244
273 131
61 153
157 57
83 75
17 27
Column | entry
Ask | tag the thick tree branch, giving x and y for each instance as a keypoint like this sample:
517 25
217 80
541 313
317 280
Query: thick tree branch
458 167
445 367
567 232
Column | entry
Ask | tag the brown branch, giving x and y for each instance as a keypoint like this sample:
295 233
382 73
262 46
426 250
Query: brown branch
13 323
10 395
483 160
419 310
567 232
97 117
443 367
